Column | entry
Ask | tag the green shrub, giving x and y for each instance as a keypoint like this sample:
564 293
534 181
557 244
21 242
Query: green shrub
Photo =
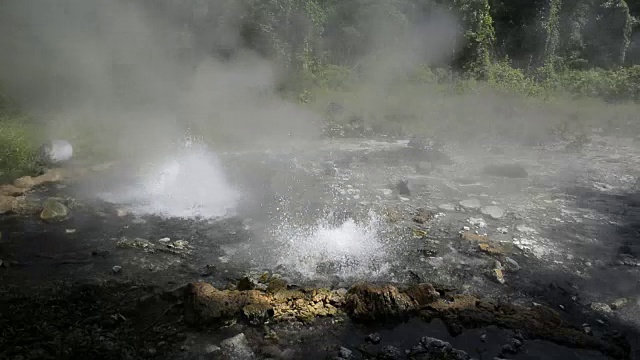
17 150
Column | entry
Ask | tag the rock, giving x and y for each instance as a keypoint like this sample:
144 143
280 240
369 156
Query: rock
165 240
137 243
491 249
7 204
25 182
257 314
446 207
403 187
122 212
423 216
525 229
511 264
237 348
493 211
276 285
514 171
54 211
470 204
619 303
503 230
366 302
601 308
116 269
431 348
11 190
477 222
55 151
425 167
373 338
245 284
390 353
344 354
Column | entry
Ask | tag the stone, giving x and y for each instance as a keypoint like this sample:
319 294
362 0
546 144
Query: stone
54 211
116 269
511 264
11 190
345 353
493 211
446 207
514 171
431 348
373 338
601 308
237 348
367 302
619 303
7 204
477 222
403 187
470 204
390 353
25 182
525 229
246 283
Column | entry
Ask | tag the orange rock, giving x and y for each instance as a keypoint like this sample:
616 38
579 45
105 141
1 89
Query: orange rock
11 190
25 182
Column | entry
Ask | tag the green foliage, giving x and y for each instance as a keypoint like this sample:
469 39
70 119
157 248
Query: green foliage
621 84
17 152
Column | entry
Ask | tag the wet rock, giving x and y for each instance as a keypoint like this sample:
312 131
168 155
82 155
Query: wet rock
477 222
25 182
525 229
54 211
137 243
470 204
498 275
403 188
446 207
276 284
345 354
7 204
601 308
11 190
258 314
619 303
116 269
491 249
373 338
366 302
493 211
423 216
390 353
511 264
431 348
237 348
514 171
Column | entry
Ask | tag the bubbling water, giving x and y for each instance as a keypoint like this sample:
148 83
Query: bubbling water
349 249
188 184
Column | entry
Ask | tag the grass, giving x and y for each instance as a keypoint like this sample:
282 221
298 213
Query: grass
17 146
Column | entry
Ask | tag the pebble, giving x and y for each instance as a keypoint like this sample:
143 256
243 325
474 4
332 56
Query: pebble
511 264
373 338
619 303
344 353
601 307
116 269
493 211
470 204
478 222
237 347
503 230
446 207
165 240
525 229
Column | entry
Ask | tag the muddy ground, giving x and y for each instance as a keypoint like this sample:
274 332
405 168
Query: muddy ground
553 226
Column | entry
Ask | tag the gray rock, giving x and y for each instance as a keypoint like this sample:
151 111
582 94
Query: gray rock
525 229
431 348
493 211
470 204
446 207
619 303
237 348
53 211
116 269
601 308
345 354
511 264
373 338
390 353
403 187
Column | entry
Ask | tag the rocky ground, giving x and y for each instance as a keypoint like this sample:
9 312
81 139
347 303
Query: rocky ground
460 251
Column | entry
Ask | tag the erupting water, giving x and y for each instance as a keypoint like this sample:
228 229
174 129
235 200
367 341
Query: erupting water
189 184
350 249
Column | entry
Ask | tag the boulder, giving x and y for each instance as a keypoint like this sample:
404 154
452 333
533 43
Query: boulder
7 203
53 211
366 302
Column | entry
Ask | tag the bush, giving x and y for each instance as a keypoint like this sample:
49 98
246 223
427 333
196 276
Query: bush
17 151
